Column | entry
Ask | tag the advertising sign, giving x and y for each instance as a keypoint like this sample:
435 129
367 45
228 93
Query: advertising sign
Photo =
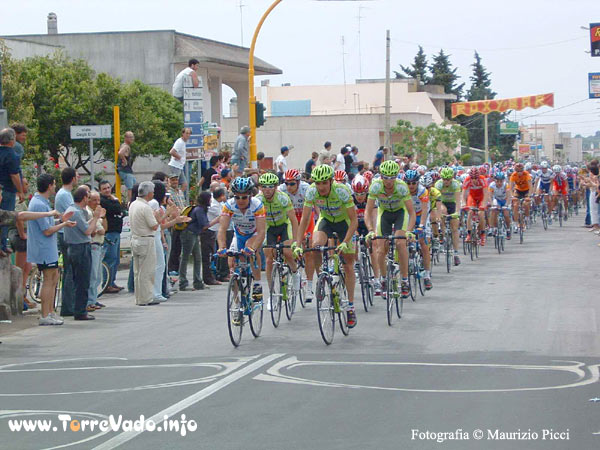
595 39
594 84
509 128
502 105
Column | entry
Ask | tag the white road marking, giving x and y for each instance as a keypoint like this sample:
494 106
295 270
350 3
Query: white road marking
273 374
191 400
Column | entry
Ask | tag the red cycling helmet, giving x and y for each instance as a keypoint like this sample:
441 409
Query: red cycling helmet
360 185
292 174
368 176
340 176
483 170
474 172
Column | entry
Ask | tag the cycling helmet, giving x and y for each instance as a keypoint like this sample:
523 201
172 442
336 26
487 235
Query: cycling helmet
500 175
544 165
412 175
322 173
535 167
474 172
389 168
519 167
292 174
528 167
427 180
435 175
368 175
268 179
483 170
422 170
401 175
340 176
242 185
556 169
360 185
498 165
447 173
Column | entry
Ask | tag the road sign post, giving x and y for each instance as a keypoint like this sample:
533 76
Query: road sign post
91 132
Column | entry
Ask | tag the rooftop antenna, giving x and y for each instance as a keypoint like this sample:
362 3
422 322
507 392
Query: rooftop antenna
241 5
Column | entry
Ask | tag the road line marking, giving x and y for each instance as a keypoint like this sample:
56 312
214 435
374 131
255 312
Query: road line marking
191 400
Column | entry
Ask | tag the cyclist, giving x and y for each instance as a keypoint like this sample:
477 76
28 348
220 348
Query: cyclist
475 195
559 187
420 199
248 216
571 173
451 203
337 214
296 189
340 176
395 211
544 182
281 222
500 196
360 189
434 212
520 187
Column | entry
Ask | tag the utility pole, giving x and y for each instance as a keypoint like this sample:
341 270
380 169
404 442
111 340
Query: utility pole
387 93
485 136
537 152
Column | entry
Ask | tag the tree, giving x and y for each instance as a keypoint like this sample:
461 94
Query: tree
418 70
51 93
429 144
442 73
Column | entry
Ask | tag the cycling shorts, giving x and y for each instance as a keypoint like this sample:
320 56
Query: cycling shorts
544 187
499 203
341 228
562 189
521 194
279 233
362 230
388 220
239 242
450 207
475 202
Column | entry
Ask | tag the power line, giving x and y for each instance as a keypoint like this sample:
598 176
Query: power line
555 109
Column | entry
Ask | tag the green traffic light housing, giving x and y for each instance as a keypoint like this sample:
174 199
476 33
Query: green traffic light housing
260 114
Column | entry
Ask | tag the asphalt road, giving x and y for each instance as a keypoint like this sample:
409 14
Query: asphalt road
504 349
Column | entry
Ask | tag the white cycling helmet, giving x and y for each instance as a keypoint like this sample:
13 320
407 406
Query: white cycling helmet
556 168
528 167
544 165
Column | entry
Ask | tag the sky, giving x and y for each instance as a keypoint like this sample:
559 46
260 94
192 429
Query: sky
529 46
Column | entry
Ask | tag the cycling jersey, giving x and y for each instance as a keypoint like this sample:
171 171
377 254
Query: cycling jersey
297 198
447 193
521 180
546 177
498 192
360 215
277 208
244 223
560 183
572 180
434 197
421 201
334 207
389 202
475 186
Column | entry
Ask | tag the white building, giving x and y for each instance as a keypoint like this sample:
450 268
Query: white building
556 146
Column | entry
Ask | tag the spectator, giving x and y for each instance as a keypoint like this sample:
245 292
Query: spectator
241 151
124 166
348 161
220 195
174 251
42 247
144 224
20 138
206 178
339 159
160 176
190 245
10 178
160 243
222 164
208 238
325 156
178 155
281 162
189 71
62 202
97 252
355 162
112 237
130 287
226 177
79 255
311 164
594 186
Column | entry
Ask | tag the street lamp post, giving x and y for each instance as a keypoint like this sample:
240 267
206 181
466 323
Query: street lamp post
251 96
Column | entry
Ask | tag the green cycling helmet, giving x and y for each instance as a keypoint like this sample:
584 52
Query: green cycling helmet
322 173
268 179
447 173
389 168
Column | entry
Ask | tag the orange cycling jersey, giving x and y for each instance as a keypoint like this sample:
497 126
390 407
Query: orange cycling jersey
521 180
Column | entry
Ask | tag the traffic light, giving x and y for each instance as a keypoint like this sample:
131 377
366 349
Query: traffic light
260 114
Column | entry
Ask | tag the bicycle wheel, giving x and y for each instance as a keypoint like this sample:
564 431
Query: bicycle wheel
390 293
471 249
34 284
362 280
544 218
465 244
303 283
58 293
412 278
325 312
235 311
370 278
276 292
289 297
105 273
477 246
448 251
343 306
398 299
256 318
520 229
560 213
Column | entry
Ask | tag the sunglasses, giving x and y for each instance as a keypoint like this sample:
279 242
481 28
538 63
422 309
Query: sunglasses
387 178
412 182
241 197
290 183
267 186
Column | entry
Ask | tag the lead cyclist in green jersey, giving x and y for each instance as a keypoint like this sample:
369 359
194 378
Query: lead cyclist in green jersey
395 211
337 214
281 221
450 190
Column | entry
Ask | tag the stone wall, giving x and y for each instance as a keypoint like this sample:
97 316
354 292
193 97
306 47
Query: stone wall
11 290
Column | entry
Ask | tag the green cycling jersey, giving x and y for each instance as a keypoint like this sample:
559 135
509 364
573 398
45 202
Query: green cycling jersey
389 202
277 208
449 191
333 207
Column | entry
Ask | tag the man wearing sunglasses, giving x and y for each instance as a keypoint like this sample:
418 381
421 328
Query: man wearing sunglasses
248 216
296 190
282 225
395 212
337 214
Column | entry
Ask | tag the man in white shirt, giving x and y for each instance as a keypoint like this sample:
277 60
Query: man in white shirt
281 162
190 71
340 163
178 154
